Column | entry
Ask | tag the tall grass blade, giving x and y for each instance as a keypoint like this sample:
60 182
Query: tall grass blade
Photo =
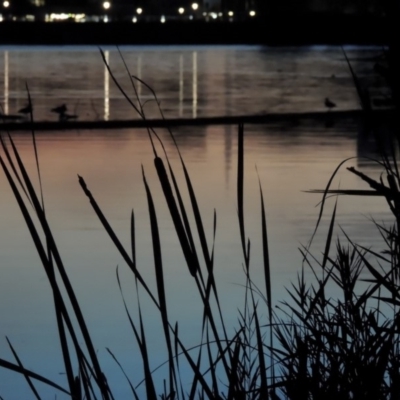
64 345
77 389
160 281
329 237
191 260
240 184
115 239
267 267
140 338
117 83
131 78
195 369
133 240
264 394
150 388
210 362
27 378
12 165
362 93
45 261
267 276
21 370
326 191
53 249
34 144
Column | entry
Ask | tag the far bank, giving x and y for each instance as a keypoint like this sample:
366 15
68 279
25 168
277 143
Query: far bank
283 30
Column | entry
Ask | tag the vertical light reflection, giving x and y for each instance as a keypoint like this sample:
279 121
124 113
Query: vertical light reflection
6 78
106 88
194 106
228 153
180 85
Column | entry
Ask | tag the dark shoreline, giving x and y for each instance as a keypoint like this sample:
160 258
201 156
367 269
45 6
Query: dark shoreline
282 30
292 119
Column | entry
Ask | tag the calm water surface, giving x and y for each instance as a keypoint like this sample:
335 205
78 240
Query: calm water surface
189 82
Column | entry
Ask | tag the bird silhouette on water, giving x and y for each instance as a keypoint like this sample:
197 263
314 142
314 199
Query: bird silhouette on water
60 109
329 104
62 113
25 110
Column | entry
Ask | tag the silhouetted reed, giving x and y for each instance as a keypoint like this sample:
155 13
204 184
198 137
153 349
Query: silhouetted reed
313 346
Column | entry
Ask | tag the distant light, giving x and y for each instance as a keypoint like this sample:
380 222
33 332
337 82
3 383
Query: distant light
105 18
220 14
195 6
230 13
162 20
252 13
106 5
190 17
1 18
204 14
214 15
80 17
58 17
139 10
6 4
134 20
181 10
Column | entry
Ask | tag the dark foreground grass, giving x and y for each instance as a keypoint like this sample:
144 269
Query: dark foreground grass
313 347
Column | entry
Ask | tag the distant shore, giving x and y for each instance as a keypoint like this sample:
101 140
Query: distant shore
329 119
284 30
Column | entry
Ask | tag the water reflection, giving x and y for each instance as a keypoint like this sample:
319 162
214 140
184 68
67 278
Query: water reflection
288 163
230 131
6 83
106 87
181 85
237 80
194 85
220 80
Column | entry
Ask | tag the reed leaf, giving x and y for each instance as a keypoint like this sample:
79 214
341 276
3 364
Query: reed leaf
115 239
264 394
133 241
59 303
12 165
34 144
240 185
141 340
325 193
21 370
26 376
160 281
54 251
191 259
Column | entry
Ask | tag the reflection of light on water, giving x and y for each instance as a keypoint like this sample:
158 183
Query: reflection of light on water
195 84
180 85
6 82
106 88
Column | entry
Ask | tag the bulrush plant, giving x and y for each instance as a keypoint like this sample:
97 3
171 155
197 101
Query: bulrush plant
348 347
312 347
223 367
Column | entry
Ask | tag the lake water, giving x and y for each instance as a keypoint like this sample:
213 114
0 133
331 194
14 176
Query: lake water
190 82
